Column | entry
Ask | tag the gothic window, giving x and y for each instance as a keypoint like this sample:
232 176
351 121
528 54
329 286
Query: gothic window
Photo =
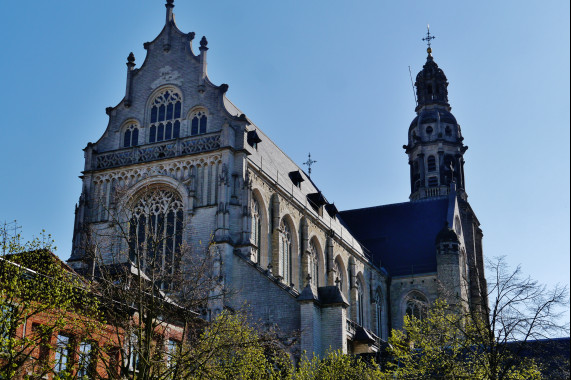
256 227
432 181
165 116
339 280
155 231
198 123
359 301
313 264
131 135
378 311
285 252
431 163
416 305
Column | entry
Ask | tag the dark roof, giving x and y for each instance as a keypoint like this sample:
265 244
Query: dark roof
400 236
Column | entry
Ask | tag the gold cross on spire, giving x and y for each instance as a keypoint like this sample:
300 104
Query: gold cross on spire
428 38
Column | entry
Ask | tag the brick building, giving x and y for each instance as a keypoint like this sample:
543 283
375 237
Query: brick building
343 279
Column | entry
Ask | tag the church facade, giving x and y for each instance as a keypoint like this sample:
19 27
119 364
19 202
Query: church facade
341 280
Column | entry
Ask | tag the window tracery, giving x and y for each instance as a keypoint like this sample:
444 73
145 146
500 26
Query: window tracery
416 305
359 301
165 116
198 123
256 228
131 135
285 250
313 264
155 231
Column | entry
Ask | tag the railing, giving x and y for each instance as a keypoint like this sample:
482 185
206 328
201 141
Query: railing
431 192
351 327
157 151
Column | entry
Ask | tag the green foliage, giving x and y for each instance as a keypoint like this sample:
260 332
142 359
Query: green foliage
35 283
449 345
336 366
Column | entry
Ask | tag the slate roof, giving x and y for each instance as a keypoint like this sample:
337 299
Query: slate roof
401 236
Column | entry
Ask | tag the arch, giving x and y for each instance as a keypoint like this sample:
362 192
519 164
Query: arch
164 110
317 262
130 133
378 300
198 118
287 245
341 274
415 304
156 226
262 248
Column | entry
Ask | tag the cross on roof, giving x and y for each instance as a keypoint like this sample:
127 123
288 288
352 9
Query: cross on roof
309 162
428 37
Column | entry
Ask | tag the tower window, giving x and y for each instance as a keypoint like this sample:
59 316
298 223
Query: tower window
198 123
165 116
429 130
432 181
431 163
448 131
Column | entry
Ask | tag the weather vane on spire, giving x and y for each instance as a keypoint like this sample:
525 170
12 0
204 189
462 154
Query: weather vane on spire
309 162
428 38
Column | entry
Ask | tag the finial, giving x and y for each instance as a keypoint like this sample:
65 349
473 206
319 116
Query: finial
309 162
131 58
203 43
428 38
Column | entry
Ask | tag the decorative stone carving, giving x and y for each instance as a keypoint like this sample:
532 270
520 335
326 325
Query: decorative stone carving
167 75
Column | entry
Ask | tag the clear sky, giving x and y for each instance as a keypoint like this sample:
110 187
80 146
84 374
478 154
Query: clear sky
326 77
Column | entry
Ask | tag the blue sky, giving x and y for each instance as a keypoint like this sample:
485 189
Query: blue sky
326 77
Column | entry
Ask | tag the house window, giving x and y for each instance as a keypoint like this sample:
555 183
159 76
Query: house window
172 348
285 252
133 357
165 116
155 231
431 163
62 353
313 264
6 312
198 123
416 306
432 181
131 136
256 227
85 361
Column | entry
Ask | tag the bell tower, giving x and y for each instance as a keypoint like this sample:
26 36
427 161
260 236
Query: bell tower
435 146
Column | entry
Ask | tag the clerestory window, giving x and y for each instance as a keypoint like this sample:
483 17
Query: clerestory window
256 234
285 250
166 111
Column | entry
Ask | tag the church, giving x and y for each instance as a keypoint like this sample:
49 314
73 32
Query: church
179 151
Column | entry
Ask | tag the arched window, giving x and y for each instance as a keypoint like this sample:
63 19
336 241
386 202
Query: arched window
198 123
378 311
165 116
256 227
359 301
131 135
431 163
416 305
339 273
155 231
313 264
285 252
